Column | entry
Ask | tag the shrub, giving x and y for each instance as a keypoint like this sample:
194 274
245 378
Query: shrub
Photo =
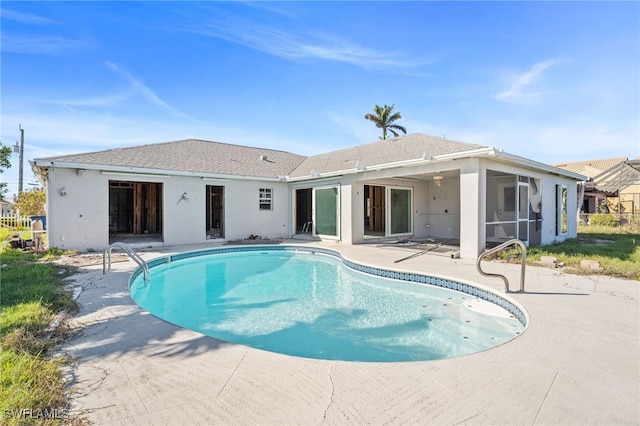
604 220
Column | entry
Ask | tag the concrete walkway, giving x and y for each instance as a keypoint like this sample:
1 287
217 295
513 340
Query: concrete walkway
577 363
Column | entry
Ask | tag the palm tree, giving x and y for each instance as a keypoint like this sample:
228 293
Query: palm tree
384 119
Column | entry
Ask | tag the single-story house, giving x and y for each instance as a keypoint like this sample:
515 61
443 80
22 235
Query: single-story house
622 183
6 206
417 186
613 183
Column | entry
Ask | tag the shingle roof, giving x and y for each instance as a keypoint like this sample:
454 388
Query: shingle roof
591 167
199 156
411 147
195 156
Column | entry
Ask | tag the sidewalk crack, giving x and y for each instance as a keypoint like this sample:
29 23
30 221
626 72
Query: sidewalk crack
333 390
231 375
135 389
546 395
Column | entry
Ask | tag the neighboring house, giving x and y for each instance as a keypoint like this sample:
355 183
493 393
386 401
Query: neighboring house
6 206
613 184
416 186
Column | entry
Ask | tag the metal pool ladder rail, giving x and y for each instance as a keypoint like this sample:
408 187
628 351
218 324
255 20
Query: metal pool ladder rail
498 248
106 258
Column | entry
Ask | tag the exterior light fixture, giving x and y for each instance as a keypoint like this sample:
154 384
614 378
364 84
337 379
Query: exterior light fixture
63 192
437 179
185 196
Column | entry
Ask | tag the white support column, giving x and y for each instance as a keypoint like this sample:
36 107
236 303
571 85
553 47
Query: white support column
357 213
346 205
472 208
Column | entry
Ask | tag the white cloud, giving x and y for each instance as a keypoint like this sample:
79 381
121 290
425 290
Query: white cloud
145 92
96 101
54 132
356 126
296 43
557 143
524 85
42 45
25 18
136 89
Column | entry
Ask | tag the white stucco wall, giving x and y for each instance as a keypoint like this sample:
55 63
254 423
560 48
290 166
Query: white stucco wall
349 202
473 204
243 216
442 210
549 210
80 219
421 208
355 232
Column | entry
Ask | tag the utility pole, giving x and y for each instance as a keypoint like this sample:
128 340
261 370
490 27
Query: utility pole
20 149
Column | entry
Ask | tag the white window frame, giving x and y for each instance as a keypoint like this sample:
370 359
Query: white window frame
562 216
388 212
265 199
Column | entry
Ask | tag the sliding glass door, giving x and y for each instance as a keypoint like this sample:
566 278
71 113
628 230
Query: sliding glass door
399 211
327 211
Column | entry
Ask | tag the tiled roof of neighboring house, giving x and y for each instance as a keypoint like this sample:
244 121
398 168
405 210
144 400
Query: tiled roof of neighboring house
591 168
411 147
192 155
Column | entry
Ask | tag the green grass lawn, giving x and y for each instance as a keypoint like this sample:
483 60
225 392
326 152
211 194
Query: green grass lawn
31 385
616 248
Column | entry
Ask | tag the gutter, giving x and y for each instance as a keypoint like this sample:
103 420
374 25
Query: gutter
146 172
40 172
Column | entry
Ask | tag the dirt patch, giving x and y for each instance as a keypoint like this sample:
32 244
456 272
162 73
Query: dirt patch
87 259
252 241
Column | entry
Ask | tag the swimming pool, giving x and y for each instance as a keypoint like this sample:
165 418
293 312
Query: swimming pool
311 302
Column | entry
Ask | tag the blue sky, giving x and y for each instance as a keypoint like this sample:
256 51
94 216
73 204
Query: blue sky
550 81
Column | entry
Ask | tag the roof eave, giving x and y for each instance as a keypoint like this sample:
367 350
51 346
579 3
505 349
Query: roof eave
425 159
142 171
539 166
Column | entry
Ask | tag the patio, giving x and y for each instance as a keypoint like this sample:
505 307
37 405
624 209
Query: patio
577 363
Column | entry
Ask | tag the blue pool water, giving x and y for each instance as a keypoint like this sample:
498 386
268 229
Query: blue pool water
312 305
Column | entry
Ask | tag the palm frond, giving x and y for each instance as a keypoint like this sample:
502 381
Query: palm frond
384 118
397 127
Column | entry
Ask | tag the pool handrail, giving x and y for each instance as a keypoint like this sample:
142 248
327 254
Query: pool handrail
106 258
498 248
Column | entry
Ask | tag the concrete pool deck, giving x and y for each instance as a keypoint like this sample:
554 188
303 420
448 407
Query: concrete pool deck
577 363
